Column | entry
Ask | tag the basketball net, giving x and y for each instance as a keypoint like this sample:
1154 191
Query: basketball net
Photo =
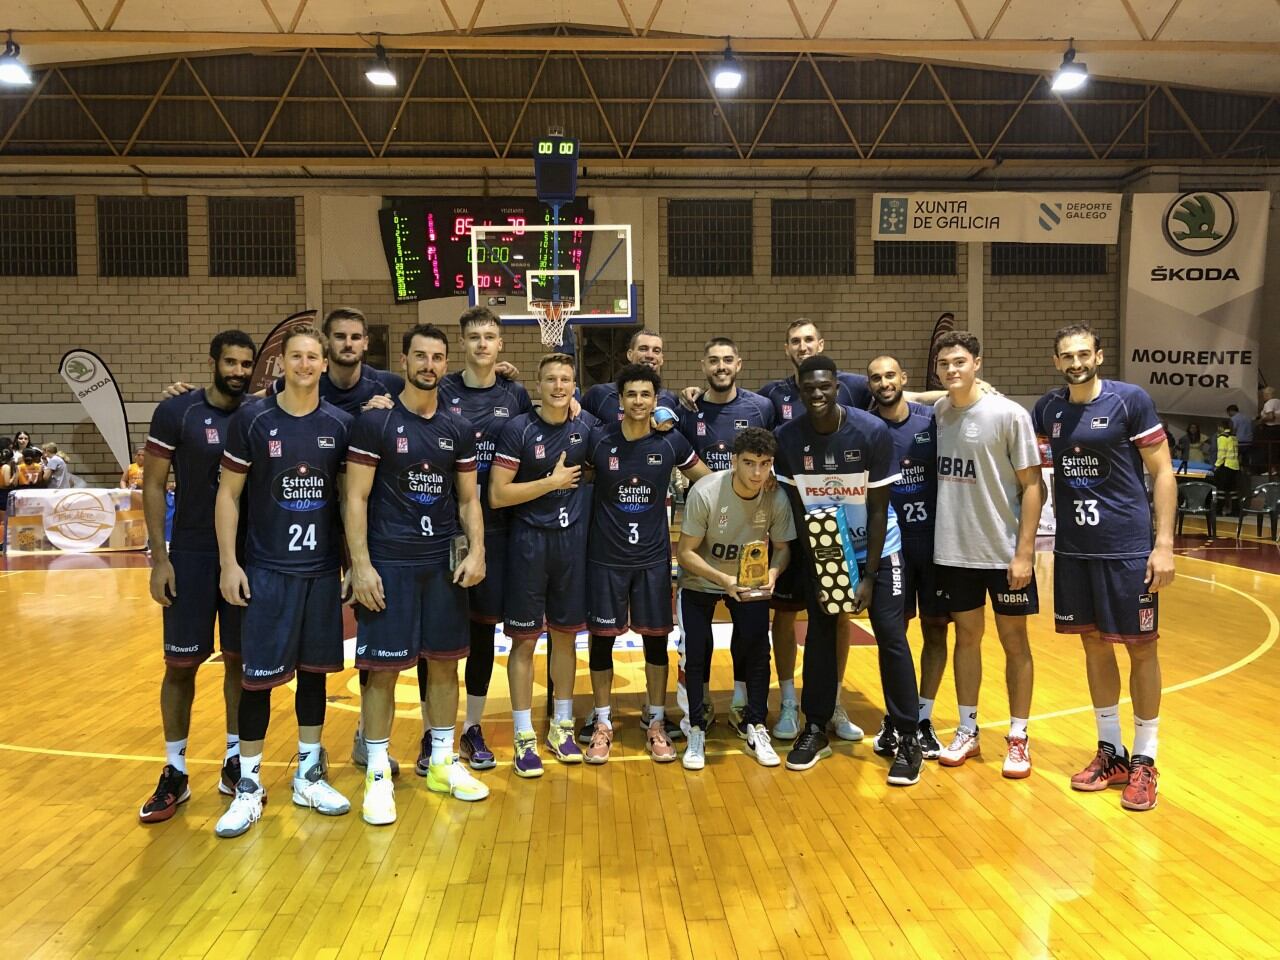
552 318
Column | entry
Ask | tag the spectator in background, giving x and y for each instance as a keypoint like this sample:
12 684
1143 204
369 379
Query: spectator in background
1269 432
1226 467
6 471
31 472
59 474
131 478
1242 427
1199 446
21 440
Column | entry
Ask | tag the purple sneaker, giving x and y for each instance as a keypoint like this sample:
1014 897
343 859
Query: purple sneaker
561 743
527 762
474 750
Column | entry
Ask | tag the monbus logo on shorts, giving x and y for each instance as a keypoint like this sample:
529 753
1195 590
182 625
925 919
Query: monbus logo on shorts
300 488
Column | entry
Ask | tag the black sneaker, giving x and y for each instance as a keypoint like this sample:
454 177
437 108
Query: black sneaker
930 746
811 746
885 743
170 791
230 776
423 765
669 726
587 729
906 765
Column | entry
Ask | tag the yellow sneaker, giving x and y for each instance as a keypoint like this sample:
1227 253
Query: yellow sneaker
379 798
452 778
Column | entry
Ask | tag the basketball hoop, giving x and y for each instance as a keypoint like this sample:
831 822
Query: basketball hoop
552 317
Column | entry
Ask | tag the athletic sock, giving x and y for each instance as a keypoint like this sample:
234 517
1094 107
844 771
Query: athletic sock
251 768
1017 727
175 754
378 759
602 716
1108 720
1145 737
788 689
441 745
475 711
968 718
233 747
926 709
308 757
563 710
657 713
523 720
739 693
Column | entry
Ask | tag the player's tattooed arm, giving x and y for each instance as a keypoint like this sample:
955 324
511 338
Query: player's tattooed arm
1164 488
232 581
1024 554
366 584
472 568
164 587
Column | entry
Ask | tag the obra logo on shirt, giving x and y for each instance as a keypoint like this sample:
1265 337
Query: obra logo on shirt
423 483
1082 467
633 495
301 488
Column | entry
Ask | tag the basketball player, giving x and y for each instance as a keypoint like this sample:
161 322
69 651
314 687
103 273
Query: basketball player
488 403
914 498
1107 573
189 432
989 499
411 489
290 449
602 401
833 454
723 513
536 480
629 552
718 416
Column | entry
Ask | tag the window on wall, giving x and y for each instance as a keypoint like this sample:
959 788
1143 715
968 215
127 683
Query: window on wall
1047 259
37 236
915 258
812 238
252 237
709 238
142 236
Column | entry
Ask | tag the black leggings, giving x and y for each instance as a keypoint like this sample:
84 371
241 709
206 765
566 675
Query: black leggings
751 657
601 656
480 660
308 704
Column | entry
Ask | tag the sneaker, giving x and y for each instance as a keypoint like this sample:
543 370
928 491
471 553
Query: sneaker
560 742
230 776
244 812
527 763
788 725
1017 762
588 729
658 743
315 792
930 748
423 764
963 746
454 779
743 729
1140 792
736 714
601 743
673 730
360 754
907 760
695 754
379 798
1104 770
761 747
170 791
885 743
810 747
474 750
845 728
708 718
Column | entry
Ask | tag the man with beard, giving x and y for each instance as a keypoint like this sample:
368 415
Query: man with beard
602 401
189 432
411 488
348 382
1107 573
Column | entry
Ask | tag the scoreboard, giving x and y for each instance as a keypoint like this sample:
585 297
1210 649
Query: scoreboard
427 243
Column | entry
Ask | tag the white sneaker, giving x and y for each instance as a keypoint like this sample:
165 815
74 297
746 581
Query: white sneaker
760 747
695 754
845 728
244 812
314 791
788 725
379 798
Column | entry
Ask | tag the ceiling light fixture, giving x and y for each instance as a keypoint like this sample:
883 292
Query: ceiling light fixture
1071 75
379 72
12 70
728 75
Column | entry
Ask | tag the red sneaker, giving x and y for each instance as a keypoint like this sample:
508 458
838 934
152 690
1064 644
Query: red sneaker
1104 770
1140 793
170 791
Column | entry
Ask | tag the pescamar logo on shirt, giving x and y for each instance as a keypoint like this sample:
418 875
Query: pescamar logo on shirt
1081 467
423 483
300 488
832 489
633 495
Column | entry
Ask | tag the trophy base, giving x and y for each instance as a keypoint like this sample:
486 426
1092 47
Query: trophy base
759 593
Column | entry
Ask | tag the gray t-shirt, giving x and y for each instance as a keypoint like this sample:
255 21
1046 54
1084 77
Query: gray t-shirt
980 450
726 522
59 476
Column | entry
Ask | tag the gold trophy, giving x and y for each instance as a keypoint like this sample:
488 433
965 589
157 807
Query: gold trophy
753 571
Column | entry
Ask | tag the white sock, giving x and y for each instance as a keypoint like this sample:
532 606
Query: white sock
251 767
739 693
926 709
442 745
968 717
233 746
564 710
788 688
1017 727
1108 720
378 759
602 716
308 757
1145 736
175 754
523 720
475 711
657 713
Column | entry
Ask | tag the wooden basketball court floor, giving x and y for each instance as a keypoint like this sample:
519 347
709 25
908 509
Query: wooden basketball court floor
634 859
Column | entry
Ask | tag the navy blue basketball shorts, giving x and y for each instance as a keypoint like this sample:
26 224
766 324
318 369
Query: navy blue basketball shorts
639 597
967 588
188 620
788 591
546 580
922 583
485 598
292 623
425 618
1106 596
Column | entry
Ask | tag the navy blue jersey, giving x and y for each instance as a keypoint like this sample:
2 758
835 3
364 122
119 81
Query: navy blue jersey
601 401
914 494
629 520
372 383
293 465
191 432
1098 495
413 508
488 410
788 404
531 447
822 469
712 429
